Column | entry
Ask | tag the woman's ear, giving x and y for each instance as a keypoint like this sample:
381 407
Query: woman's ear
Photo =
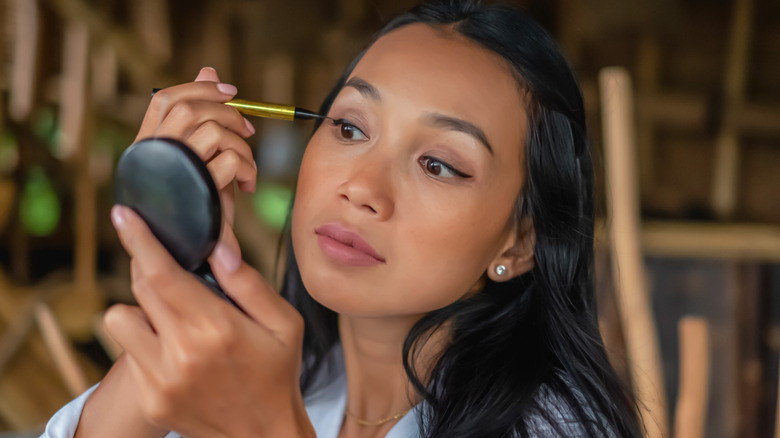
517 254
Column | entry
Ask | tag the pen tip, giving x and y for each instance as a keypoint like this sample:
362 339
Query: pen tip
304 114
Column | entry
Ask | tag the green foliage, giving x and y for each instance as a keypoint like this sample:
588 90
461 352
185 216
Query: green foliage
271 202
9 153
39 206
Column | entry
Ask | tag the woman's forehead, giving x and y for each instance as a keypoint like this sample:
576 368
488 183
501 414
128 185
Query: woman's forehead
437 69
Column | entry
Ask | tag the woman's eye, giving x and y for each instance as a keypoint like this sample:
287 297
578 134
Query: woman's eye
441 169
348 131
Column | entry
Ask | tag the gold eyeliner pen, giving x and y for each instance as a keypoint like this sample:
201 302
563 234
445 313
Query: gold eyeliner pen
270 110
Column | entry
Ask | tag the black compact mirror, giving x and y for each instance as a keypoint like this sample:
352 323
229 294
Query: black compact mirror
169 186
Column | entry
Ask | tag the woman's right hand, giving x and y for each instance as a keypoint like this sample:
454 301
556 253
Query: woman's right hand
195 114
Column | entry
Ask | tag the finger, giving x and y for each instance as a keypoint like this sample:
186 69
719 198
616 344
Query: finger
140 243
229 165
131 328
258 299
207 74
210 139
146 378
166 280
186 116
164 317
167 98
228 198
229 242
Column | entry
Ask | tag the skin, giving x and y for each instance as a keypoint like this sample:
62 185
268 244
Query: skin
191 361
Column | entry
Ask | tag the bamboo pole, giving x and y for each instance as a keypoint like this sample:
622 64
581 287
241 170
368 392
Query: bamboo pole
777 409
16 334
216 40
151 25
15 302
29 392
5 23
60 349
727 154
694 387
73 88
76 311
25 53
642 346
105 74
648 81
138 63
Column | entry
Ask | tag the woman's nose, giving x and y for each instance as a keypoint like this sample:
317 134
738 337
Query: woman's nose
368 185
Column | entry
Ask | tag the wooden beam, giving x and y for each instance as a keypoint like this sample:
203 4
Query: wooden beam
705 240
638 323
746 242
690 111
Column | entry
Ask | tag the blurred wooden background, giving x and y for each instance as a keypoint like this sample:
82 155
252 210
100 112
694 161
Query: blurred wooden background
703 95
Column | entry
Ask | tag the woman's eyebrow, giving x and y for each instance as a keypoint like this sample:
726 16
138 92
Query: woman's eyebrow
364 88
455 124
434 119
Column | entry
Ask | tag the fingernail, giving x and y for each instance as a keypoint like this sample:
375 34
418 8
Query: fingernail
227 89
249 126
227 258
118 216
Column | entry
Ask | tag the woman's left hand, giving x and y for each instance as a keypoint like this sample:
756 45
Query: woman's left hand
205 369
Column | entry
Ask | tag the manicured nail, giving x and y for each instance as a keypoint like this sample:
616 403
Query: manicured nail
118 216
249 126
227 89
227 258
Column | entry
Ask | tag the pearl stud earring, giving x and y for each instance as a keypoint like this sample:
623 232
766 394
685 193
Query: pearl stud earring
500 270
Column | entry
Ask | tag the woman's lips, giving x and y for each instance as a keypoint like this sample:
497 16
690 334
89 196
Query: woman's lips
346 246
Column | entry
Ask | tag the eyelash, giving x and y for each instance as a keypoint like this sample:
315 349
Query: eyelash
424 161
343 123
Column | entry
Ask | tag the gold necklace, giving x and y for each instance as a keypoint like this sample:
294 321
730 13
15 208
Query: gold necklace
375 423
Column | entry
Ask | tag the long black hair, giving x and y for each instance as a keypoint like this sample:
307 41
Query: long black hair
525 356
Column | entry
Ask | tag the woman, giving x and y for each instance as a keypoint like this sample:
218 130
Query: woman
440 277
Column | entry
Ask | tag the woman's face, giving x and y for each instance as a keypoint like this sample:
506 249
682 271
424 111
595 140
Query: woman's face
400 210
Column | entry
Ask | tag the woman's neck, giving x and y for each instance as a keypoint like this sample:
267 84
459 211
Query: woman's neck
377 385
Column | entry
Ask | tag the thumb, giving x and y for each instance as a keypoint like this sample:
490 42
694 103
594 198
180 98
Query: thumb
207 74
227 252
256 297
